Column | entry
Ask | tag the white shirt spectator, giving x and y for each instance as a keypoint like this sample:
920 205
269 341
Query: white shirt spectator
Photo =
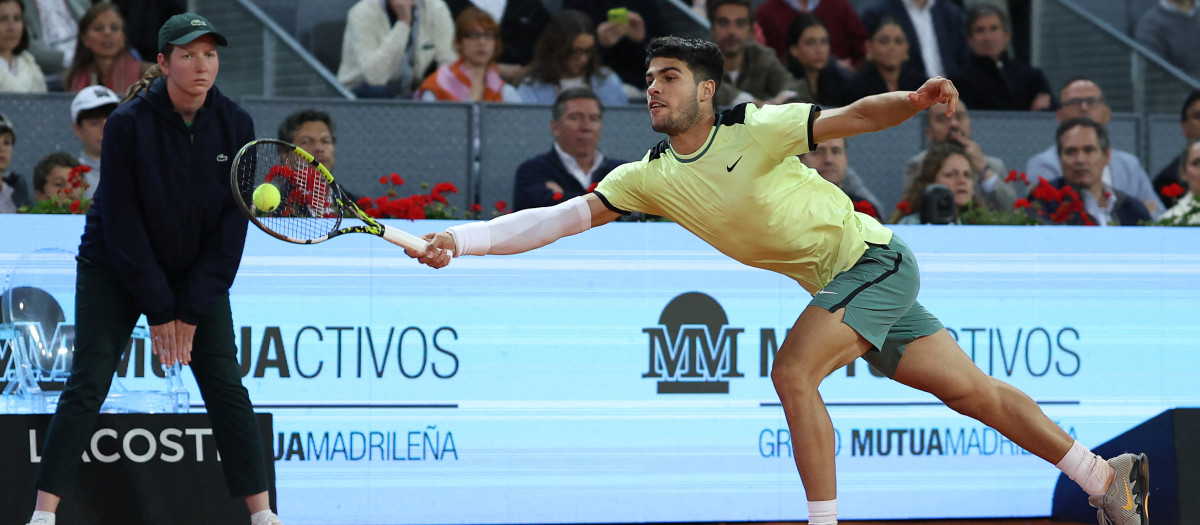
922 21
59 28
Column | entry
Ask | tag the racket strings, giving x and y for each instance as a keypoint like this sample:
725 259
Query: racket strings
306 210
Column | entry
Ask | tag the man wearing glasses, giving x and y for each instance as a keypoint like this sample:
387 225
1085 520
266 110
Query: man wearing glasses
1082 97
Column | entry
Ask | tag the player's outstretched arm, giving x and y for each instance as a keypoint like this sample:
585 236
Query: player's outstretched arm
882 111
516 232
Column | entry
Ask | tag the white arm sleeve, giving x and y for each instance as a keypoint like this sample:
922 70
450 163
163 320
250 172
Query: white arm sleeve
523 230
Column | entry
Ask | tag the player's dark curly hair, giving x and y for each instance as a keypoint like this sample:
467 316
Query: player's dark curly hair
703 57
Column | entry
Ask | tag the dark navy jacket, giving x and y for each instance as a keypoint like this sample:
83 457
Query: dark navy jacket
163 216
985 85
530 190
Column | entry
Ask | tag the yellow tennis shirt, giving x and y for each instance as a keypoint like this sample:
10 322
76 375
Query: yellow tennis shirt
747 194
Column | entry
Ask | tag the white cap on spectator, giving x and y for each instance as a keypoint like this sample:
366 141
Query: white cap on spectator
92 97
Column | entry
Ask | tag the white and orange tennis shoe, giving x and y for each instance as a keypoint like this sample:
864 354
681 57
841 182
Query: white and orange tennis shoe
1127 499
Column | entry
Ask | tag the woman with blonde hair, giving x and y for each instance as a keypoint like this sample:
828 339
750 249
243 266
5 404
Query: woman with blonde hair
164 239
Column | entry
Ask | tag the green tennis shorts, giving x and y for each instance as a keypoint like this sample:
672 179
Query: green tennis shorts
879 294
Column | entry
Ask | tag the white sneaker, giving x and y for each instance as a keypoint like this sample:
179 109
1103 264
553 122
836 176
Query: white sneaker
270 519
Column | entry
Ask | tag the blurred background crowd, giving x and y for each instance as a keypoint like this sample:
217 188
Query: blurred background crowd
1091 80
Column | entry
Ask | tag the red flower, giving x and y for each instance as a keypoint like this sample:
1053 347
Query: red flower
1022 203
475 208
1044 191
1012 176
904 207
74 206
364 203
396 179
866 208
383 179
279 171
558 196
445 187
1173 190
501 206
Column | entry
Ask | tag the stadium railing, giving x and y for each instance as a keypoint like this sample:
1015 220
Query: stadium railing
268 61
1070 41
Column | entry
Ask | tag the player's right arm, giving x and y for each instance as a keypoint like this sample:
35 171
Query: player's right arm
516 232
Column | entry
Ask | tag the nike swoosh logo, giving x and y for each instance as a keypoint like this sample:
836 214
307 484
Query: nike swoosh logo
730 167
823 291
1128 497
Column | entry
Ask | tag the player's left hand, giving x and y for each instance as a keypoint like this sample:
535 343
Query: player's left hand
936 90
184 333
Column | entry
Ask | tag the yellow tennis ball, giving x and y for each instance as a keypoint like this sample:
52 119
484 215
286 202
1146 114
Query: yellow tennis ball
266 197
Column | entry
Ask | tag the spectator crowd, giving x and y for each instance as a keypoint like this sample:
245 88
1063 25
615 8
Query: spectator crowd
588 56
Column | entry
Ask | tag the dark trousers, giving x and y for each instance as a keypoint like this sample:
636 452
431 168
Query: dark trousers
105 315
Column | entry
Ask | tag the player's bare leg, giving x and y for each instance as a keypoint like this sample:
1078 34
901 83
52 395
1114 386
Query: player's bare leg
818 344
937 365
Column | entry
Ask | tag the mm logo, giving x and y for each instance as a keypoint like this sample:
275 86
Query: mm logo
692 350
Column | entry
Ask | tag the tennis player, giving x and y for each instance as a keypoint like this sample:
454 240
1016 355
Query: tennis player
164 239
733 179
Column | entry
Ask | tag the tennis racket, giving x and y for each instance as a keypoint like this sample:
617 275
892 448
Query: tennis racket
310 204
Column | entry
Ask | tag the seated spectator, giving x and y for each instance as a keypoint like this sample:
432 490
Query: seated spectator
1081 97
1083 148
1190 122
887 67
831 161
53 28
623 41
384 55
847 35
990 185
573 165
13 191
19 71
752 73
566 57
808 60
314 131
51 178
993 80
474 77
1171 29
935 30
1186 211
946 163
521 23
142 21
89 111
102 55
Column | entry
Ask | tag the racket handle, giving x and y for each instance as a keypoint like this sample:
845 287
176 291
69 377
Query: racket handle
402 238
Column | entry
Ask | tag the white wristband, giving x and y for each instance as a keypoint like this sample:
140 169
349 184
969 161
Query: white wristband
471 238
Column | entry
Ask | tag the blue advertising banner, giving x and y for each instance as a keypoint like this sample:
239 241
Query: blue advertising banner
623 374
